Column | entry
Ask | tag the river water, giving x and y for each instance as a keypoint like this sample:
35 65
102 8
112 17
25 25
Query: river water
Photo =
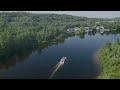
39 64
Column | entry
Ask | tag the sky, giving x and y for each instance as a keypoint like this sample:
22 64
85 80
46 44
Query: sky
90 14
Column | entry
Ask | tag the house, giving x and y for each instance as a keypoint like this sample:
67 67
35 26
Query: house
76 29
104 30
87 31
97 22
97 28
73 29
70 29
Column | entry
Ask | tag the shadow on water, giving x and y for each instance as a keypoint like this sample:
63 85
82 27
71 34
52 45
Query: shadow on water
97 64
8 62
93 33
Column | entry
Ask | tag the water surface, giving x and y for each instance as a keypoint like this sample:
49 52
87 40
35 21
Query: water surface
39 64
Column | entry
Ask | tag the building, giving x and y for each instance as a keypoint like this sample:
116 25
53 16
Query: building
97 28
86 31
73 29
70 29
97 22
104 30
76 29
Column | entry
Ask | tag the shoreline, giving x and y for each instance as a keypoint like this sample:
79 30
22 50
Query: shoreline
98 64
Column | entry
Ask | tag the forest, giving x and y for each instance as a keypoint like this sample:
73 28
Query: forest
22 30
109 57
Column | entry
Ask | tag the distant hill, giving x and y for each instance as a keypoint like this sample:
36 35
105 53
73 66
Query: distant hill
116 19
46 17
41 17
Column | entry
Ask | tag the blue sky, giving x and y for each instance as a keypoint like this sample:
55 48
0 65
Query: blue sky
91 14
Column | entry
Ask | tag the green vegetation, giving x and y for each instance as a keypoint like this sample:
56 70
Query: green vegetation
81 31
21 30
109 57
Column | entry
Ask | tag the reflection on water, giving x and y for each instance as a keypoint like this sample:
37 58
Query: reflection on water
93 33
11 61
6 63
79 49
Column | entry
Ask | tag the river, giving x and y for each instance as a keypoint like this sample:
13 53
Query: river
38 64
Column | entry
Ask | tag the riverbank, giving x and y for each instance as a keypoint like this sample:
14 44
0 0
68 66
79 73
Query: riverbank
98 65
109 57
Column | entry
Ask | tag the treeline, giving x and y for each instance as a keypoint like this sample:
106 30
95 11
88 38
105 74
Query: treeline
110 25
20 30
109 57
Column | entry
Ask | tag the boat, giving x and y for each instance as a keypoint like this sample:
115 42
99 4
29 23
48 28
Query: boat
101 32
61 62
58 66
63 59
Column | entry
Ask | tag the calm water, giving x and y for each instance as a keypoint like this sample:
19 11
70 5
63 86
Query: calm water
39 64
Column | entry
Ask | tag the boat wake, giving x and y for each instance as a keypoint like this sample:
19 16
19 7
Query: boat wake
58 66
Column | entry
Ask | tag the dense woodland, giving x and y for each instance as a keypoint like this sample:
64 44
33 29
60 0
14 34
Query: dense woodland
109 57
22 30
25 30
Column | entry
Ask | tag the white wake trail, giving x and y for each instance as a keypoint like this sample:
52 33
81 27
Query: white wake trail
56 69
58 66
